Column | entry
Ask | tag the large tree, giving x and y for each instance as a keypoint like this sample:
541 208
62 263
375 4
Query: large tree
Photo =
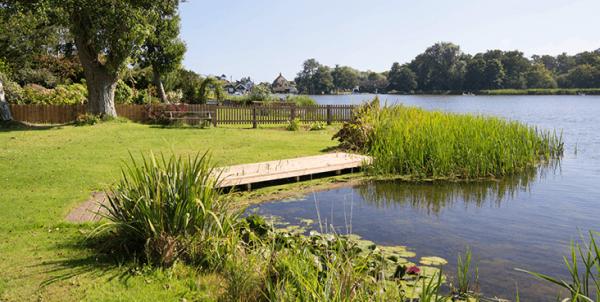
440 67
344 77
107 33
304 79
401 79
163 50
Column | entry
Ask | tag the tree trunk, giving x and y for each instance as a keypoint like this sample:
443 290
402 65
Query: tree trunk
4 107
160 87
101 82
101 92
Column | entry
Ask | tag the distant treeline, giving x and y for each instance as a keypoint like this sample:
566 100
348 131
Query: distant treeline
444 68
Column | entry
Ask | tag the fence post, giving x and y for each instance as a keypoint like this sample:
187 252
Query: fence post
254 122
215 115
293 112
328 114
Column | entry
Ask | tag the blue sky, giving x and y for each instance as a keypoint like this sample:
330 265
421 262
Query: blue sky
261 38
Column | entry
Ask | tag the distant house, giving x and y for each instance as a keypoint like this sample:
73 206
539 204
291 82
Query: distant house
281 85
240 87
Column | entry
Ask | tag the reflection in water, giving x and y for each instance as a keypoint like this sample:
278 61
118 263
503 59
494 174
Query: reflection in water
433 197
505 228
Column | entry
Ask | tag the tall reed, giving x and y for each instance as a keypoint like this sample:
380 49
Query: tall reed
424 144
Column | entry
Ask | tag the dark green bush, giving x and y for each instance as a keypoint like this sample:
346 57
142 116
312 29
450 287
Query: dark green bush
123 93
87 119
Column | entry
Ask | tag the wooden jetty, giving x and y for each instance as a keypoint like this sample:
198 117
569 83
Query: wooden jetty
248 174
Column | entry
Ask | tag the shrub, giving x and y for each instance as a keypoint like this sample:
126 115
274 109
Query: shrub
42 76
175 96
87 119
261 93
162 204
12 90
69 94
123 93
293 125
317 126
356 133
61 95
144 97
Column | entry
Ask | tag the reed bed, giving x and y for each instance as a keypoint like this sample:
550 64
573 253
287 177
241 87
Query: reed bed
424 144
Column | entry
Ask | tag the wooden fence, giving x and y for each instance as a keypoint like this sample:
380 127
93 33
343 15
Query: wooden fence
222 114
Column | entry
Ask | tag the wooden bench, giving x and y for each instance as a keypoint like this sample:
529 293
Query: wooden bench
191 117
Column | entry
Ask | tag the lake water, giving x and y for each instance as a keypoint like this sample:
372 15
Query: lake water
526 221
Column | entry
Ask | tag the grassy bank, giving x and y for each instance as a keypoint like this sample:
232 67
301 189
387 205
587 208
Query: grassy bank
540 91
48 171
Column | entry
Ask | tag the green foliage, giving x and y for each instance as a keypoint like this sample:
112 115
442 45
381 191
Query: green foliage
42 77
467 279
211 88
540 91
355 134
540 77
423 145
410 141
317 126
12 91
583 265
163 50
87 119
300 100
185 81
123 93
345 78
163 203
401 79
260 93
293 125
144 97
315 78
61 95
373 82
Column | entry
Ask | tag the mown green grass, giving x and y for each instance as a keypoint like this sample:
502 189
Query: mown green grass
424 144
48 171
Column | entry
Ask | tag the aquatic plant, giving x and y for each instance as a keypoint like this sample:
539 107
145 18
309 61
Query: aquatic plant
584 285
466 278
420 144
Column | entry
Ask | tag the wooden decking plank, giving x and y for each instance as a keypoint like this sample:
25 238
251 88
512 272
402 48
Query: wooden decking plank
282 169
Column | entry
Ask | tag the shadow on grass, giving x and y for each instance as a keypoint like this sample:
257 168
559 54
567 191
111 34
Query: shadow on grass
101 262
11 126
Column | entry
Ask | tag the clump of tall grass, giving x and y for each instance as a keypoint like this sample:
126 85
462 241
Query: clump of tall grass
583 265
423 144
467 276
163 206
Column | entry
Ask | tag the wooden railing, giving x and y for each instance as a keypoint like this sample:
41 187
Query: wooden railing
222 114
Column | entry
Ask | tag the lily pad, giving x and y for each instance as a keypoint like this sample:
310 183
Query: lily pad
433 260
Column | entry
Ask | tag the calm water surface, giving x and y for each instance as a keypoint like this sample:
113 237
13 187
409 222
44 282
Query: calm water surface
527 221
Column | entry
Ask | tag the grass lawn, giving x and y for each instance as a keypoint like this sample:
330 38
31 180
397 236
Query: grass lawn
46 172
